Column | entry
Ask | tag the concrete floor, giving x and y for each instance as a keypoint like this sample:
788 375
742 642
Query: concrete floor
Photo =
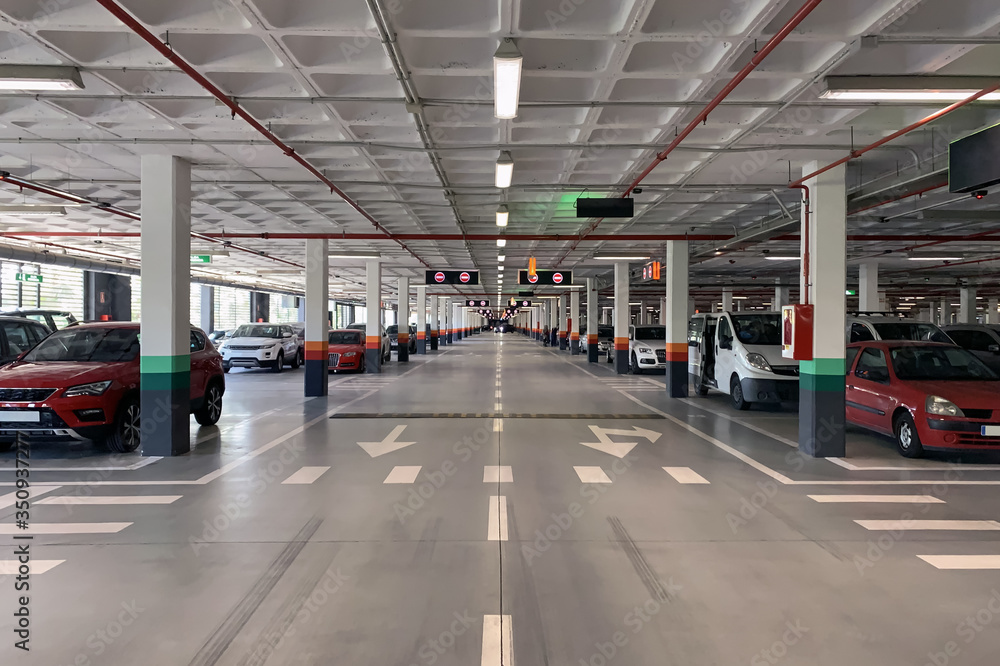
504 537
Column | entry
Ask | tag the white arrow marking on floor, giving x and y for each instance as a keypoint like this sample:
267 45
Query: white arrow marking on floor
619 449
960 562
387 445
11 567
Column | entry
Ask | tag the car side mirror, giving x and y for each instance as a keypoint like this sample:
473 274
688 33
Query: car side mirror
995 349
286 335
693 343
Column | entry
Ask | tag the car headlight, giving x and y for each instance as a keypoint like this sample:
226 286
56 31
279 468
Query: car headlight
350 354
759 362
97 388
645 350
935 404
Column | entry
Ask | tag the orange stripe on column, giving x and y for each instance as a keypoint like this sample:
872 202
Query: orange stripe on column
621 344
421 335
373 342
591 338
403 337
677 352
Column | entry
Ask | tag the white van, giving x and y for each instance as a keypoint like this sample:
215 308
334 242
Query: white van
739 353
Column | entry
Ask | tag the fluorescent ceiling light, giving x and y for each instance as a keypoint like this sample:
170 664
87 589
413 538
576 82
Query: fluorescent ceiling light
503 215
343 254
39 77
505 170
918 257
501 242
905 95
741 298
771 257
30 210
507 63
621 257
914 88
500 258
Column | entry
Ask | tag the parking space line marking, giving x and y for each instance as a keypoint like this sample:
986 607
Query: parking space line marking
876 499
498 394
953 525
498 407
498 646
685 475
722 415
306 475
498 518
960 562
35 567
497 425
498 474
403 474
65 528
100 500
36 491
846 464
592 475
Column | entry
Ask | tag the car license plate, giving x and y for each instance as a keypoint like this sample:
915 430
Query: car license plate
991 431
21 417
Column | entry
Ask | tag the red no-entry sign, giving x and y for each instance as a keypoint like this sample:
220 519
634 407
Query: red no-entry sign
439 277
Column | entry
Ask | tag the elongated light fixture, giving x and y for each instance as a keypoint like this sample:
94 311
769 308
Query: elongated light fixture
503 215
506 79
40 77
505 170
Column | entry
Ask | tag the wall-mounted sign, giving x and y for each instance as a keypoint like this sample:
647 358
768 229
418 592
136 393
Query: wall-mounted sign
545 277
452 277
201 258
472 303
28 277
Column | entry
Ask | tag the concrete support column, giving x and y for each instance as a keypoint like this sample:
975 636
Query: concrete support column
822 382
106 297
945 311
621 317
563 324
260 306
373 303
317 317
868 294
165 362
442 321
727 299
554 322
574 322
676 319
782 296
449 323
421 319
991 311
207 295
606 317
967 306
403 321
592 320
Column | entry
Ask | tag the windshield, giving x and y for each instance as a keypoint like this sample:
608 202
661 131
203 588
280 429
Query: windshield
345 338
757 329
392 330
909 330
651 333
605 332
257 331
928 363
95 345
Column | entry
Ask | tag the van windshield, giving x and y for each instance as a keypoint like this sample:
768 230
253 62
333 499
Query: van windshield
757 329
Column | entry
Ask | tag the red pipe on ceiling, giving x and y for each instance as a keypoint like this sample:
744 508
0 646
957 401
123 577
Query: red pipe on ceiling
168 53
702 116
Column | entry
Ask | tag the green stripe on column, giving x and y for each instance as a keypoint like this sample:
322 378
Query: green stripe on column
165 364
823 374
162 381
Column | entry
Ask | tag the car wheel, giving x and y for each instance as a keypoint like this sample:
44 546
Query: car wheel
611 359
634 366
125 435
907 440
361 366
736 393
211 408
226 367
279 365
297 360
700 387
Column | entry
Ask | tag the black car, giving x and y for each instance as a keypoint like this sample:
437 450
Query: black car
54 320
18 335
393 332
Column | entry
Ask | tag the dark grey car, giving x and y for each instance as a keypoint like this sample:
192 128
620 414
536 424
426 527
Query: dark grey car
983 340
18 335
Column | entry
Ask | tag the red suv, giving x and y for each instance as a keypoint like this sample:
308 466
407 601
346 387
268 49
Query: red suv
347 350
83 383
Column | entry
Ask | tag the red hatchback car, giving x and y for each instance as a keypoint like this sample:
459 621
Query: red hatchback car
928 396
83 383
347 350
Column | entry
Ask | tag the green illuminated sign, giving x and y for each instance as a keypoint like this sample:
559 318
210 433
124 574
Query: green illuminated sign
201 258
28 277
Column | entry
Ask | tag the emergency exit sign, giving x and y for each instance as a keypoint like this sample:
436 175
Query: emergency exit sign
28 277
201 258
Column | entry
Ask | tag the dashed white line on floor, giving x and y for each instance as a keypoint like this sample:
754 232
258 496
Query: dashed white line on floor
65 528
498 394
497 425
36 491
305 476
101 500
876 499
498 474
403 474
35 567
685 475
498 646
962 562
497 530
951 525
592 475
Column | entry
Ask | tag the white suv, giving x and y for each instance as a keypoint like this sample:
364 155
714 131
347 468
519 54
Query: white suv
262 346
647 348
